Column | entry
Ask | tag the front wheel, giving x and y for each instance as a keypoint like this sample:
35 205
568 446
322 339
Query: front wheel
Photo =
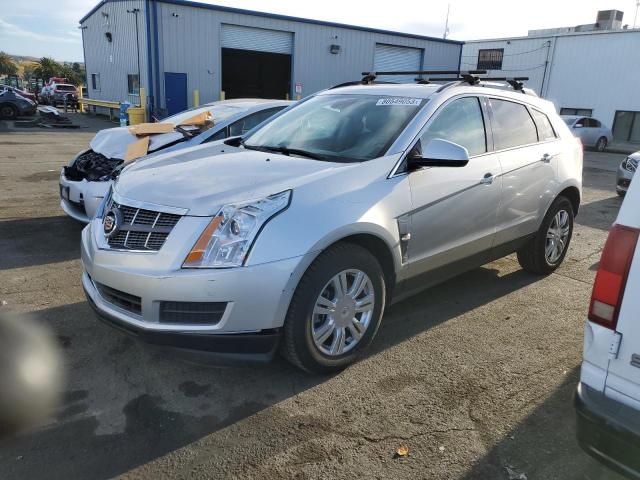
335 311
8 111
601 144
546 250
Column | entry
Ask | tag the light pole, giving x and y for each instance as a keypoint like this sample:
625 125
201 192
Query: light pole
135 11
636 16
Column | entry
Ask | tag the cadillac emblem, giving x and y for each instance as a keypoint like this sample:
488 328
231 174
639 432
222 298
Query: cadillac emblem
112 222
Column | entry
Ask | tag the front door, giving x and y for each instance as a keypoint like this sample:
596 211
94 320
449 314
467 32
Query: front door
175 92
454 208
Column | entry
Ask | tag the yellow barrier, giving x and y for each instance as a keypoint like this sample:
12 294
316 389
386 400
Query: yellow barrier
196 98
136 114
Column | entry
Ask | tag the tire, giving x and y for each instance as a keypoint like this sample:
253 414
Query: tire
601 144
298 345
8 111
533 256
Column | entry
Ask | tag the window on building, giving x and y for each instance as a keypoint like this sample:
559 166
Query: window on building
490 58
578 112
626 126
459 122
512 125
545 129
95 81
133 84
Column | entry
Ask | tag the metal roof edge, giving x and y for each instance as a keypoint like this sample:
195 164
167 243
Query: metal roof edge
278 16
560 34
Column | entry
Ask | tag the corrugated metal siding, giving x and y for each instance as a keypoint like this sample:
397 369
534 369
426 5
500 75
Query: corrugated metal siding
598 71
191 42
113 61
390 58
256 39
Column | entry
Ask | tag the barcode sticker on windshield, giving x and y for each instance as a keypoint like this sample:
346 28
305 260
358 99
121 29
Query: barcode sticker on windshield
411 102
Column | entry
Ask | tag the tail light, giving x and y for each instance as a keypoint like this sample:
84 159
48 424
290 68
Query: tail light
611 278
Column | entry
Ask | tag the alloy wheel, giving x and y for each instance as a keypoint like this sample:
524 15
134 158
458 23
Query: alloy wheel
342 312
557 236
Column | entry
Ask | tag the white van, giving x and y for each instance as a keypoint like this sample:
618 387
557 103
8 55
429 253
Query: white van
608 396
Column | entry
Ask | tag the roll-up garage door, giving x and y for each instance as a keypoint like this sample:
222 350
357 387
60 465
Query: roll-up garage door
391 58
256 39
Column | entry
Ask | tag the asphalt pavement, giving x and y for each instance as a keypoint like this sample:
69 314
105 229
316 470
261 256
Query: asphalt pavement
475 376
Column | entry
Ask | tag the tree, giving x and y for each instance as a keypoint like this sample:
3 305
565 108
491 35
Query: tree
7 65
47 68
28 69
71 75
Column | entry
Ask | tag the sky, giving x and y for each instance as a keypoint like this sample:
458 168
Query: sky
50 28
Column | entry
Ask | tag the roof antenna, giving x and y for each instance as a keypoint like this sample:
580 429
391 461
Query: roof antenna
446 23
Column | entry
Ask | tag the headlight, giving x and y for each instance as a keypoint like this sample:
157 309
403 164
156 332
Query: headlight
630 164
228 237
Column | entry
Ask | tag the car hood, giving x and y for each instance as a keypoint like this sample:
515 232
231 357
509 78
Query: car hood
113 142
203 182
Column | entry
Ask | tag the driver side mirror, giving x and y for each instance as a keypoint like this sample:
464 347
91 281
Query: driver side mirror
578 125
439 153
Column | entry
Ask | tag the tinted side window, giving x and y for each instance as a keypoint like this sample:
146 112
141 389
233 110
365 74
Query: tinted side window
219 135
594 123
512 124
459 122
545 130
247 123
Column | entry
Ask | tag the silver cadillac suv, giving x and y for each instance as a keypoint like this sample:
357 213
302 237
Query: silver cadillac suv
296 237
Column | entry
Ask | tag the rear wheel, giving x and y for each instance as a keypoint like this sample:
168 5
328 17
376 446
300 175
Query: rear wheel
546 250
8 111
601 144
335 311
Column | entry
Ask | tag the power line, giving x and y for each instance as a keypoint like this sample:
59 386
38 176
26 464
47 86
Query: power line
512 54
508 69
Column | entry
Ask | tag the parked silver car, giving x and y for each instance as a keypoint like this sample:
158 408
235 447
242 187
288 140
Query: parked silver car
300 234
590 131
626 170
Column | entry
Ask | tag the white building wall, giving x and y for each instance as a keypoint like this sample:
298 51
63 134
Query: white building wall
594 70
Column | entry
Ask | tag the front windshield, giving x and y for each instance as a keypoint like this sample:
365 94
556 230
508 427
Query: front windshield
569 120
338 127
218 113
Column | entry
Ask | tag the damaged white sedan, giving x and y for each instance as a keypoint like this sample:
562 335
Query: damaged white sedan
88 177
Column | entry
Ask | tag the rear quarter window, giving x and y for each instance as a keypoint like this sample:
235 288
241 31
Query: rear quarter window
512 125
545 129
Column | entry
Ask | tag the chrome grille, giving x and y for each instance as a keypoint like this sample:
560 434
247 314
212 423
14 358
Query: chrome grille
142 229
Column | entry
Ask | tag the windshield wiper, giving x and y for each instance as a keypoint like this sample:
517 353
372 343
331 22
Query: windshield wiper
295 151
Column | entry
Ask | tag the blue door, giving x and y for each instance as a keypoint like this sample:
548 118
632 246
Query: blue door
175 92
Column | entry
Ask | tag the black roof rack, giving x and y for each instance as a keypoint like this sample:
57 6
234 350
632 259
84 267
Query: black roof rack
358 82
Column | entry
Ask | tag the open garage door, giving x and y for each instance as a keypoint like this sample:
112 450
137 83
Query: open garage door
391 58
256 62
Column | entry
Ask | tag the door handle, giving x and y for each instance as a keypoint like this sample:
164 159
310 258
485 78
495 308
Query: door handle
546 158
487 179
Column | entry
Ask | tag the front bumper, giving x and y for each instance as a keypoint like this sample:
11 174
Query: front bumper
608 430
623 179
80 200
255 299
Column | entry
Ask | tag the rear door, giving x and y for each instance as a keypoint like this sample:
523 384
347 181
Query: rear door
623 376
529 167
